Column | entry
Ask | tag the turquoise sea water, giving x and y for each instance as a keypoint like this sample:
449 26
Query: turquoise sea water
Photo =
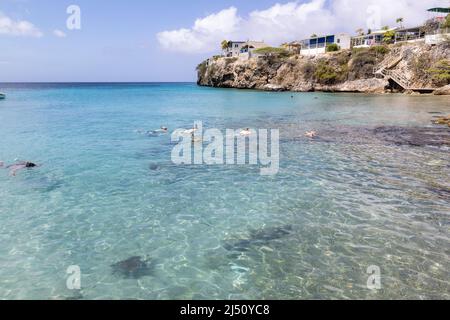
105 193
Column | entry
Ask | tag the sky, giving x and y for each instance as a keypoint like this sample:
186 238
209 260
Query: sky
164 41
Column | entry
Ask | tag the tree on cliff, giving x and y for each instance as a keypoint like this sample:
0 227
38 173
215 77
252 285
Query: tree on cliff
224 44
446 23
360 31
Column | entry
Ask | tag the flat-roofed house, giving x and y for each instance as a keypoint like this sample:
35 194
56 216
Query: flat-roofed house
242 48
250 46
375 38
318 45
415 34
233 49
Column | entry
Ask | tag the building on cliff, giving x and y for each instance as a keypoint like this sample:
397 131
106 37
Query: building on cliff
242 48
375 38
317 45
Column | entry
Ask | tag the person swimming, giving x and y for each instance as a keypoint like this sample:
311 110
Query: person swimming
311 134
162 129
153 133
246 132
192 131
19 166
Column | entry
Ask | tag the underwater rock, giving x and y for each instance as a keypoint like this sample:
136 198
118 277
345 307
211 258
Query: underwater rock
258 238
442 120
153 167
414 136
443 91
133 268
442 192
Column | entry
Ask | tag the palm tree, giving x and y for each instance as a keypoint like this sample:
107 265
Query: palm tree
360 31
224 44
400 22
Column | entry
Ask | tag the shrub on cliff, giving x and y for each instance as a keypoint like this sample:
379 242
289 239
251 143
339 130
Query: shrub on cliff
332 47
446 23
440 72
381 50
201 68
325 73
272 51
420 65
363 63
308 70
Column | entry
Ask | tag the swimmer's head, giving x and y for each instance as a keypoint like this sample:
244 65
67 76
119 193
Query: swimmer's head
30 165
164 128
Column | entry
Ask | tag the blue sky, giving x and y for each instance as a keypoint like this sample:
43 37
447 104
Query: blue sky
141 40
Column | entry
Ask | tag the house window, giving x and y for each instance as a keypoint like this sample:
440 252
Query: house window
338 40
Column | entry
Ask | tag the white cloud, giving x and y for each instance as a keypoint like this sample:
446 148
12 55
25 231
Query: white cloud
291 21
59 33
202 37
23 28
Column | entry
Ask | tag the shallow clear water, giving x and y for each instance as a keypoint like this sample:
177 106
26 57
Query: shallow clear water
339 204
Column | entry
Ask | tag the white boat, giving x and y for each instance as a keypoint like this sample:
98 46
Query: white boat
2 95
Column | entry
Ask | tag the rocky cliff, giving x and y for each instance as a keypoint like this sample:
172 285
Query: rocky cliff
422 65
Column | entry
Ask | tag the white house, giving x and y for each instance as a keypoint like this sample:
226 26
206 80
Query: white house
318 45
233 49
375 38
243 49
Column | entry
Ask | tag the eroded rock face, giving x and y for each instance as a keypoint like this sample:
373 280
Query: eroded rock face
350 72
373 85
443 91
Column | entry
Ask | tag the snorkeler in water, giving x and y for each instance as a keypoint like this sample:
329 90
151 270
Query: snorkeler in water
191 131
154 133
19 166
246 132
311 134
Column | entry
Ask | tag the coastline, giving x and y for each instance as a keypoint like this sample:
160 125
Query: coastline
368 70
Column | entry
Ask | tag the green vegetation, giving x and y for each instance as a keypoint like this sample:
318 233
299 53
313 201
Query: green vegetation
272 51
446 23
325 73
363 63
440 72
420 66
399 21
380 49
308 70
389 35
202 67
332 47
224 44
